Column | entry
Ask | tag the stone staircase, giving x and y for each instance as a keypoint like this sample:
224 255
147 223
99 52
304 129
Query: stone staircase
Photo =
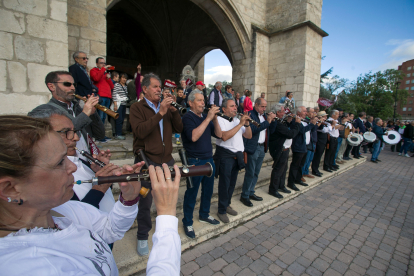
127 259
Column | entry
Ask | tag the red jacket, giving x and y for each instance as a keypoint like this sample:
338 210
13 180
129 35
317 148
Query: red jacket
105 85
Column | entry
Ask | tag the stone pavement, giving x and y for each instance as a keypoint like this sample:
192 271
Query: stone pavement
359 223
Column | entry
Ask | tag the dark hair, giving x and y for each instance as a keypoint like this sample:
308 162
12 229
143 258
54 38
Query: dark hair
180 89
361 114
146 81
98 58
123 75
349 114
288 93
227 87
114 74
53 76
18 138
248 93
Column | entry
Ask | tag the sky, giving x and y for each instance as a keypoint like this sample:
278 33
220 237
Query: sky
367 35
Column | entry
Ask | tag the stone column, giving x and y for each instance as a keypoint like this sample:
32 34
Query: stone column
199 70
33 42
87 29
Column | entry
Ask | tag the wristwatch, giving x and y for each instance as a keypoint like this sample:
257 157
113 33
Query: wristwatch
130 202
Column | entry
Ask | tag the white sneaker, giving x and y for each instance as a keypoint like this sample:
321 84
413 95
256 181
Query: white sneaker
406 155
142 247
399 154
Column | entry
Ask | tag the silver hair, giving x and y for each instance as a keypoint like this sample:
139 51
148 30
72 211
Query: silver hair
76 54
316 107
258 101
277 107
333 112
377 120
224 103
147 79
299 109
217 84
193 93
46 113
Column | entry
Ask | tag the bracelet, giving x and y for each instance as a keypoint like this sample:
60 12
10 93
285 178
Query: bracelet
247 126
130 202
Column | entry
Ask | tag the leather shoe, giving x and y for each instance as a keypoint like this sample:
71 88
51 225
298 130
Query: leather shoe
255 197
378 160
333 169
223 217
347 158
285 190
246 202
318 174
308 175
335 166
327 170
374 161
293 187
276 194
340 162
303 179
301 183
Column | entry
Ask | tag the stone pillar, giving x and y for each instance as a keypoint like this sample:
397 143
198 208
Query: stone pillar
87 29
261 65
33 42
199 70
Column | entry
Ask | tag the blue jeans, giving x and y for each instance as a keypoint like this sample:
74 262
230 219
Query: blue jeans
376 149
190 196
120 121
406 146
309 158
337 149
104 102
253 166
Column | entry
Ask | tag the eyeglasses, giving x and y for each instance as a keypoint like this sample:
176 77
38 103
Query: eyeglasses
66 83
70 134
102 63
84 58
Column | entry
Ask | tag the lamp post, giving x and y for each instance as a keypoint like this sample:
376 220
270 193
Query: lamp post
396 91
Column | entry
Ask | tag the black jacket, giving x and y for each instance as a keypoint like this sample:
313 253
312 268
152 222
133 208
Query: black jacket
250 145
409 132
279 136
299 142
83 81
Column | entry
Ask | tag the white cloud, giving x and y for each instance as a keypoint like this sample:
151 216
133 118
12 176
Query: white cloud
218 73
403 51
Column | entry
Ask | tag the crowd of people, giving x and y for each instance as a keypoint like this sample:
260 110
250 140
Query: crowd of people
46 156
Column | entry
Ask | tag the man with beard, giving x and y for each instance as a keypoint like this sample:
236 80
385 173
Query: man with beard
62 87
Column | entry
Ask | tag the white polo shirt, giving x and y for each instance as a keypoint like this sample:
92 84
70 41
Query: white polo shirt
262 136
334 132
307 133
235 143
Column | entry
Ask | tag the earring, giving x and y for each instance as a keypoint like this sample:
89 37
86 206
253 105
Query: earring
21 202
8 199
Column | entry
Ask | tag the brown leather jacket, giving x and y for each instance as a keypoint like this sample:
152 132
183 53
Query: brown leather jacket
147 133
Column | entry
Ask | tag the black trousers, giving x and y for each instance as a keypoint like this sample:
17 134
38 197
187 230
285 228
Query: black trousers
319 150
228 173
330 153
355 150
278 176
144 206
295 170
348 149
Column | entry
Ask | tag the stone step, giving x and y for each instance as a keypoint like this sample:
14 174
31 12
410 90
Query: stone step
129 262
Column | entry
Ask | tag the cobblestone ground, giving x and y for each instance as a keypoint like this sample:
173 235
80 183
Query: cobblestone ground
359 223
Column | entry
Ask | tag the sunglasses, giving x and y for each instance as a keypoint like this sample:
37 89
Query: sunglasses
84 58
66 83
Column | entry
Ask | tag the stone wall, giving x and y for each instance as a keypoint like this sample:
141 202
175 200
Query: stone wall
33 42
199 70
87 29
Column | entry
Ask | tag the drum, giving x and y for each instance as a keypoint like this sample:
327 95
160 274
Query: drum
354 139
370 137
392 138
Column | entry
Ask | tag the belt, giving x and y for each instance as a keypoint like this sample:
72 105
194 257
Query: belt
334 138
260 144
286 149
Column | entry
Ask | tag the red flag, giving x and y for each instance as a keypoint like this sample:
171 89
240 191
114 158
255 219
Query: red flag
325 102
189 82
92 146
287 111
169 84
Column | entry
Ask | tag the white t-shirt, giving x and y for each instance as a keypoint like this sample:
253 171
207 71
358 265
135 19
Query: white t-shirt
334 132
235 143
287 144
262 136
307 133
85 173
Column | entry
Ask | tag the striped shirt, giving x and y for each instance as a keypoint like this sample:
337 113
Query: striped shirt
120 94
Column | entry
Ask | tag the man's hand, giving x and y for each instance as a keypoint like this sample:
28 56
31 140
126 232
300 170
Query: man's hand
104 156
108 170
297 119
130 190
244 119
108 76
270 117
211 115
89 107
165 105
164 190
172 108
107 66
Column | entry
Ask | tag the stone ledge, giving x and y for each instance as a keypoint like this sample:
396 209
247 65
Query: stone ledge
129 262
308 23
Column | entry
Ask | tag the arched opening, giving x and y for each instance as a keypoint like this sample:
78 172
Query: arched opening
164 36
217 67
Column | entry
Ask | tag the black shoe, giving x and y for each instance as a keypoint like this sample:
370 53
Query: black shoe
378 160
255 197
347 158
374 161
333 169
293 187
327 170
276 194
285 190
210 220
357 157
318 174
246 202
335 166
301 183
189 231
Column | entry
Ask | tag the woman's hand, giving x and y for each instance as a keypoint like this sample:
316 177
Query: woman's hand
164 190
104 156
130 190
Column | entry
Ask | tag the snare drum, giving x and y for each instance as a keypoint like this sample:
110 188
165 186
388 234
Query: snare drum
370 137
392 138
354 139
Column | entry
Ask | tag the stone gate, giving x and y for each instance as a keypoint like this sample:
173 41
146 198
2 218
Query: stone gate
272 45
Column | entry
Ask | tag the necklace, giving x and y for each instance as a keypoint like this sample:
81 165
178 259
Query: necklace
55 227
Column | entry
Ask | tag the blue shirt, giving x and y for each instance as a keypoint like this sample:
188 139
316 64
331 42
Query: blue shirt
156 110
201 148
